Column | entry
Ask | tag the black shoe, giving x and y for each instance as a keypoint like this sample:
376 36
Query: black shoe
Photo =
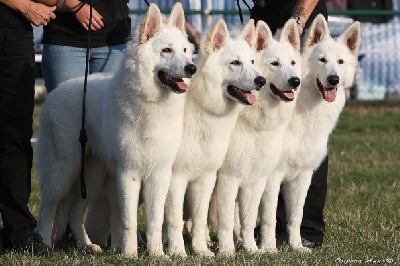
310 244
33 245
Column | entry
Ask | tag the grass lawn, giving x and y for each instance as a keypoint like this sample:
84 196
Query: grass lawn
362 211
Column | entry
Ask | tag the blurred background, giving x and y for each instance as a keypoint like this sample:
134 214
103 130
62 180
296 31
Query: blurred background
377 77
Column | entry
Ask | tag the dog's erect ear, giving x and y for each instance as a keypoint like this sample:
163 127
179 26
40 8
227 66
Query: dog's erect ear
248 33
291 34
318 31
151 23
177 17
218 36
352 37
263 35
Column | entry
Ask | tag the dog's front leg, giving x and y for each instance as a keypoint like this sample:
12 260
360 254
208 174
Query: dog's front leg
128 188
268 205
249 198
155 193
295 193
226 192
174 216
200 191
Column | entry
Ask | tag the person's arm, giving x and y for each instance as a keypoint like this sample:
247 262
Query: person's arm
36 12
303 10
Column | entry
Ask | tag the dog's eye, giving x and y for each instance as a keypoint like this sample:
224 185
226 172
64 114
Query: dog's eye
167 50
252 62
236 63
293 62
341 61
275 63
184 50
323 60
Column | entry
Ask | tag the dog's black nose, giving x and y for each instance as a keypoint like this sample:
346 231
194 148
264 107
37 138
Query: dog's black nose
190 69
294 82
260 81
333 80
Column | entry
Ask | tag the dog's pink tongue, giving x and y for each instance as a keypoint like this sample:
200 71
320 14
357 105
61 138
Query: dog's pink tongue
251 98
182 85
330 95
289 94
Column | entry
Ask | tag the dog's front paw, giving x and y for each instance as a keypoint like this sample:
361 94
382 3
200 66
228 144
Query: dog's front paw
205 253
92 248
177 253
301 249
269 250
226 252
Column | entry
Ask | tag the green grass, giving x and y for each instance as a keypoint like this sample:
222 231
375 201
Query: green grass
362 211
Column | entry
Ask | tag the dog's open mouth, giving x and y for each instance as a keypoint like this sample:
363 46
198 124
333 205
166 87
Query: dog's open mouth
245 97
284 95
177 85
328 93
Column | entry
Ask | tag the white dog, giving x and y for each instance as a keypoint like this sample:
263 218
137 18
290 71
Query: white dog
328 68
217 93
256 141
134 124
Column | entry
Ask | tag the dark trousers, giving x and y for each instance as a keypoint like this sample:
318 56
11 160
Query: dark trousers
17 78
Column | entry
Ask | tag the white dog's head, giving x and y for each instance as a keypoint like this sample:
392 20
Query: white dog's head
279 61
164 52
331 64
229 62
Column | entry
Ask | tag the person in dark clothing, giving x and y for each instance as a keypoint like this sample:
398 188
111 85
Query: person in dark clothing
275 13
17 78
65 40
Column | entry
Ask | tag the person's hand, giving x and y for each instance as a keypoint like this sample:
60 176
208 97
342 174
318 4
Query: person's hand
39 14
83 17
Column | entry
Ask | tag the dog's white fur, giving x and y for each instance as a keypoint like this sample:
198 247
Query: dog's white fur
256 141
134 123
210 115
315 116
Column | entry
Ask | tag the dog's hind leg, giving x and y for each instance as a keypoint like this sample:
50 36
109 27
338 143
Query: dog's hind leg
226 191
53 209
95 174
200 191
268 205
97 220
249 199
295 193
155 193
48 210
174 216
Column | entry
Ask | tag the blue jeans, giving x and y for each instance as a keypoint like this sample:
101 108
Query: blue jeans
61 63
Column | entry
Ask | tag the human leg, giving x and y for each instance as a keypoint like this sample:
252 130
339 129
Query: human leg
106 59
61 63
17 77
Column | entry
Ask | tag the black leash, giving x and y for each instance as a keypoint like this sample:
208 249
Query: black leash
240 9
82 136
